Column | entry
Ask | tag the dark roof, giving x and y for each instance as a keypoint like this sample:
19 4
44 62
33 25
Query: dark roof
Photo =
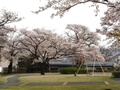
62 62
98 63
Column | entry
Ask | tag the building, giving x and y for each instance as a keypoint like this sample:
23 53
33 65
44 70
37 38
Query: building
4 65
107 66
55 65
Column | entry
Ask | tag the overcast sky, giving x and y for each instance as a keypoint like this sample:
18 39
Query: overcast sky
81 14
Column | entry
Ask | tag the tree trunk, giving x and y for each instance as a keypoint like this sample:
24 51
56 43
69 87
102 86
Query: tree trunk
47 66
42 68
10 67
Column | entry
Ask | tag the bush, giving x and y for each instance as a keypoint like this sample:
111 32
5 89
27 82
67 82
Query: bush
67 70
72 71
82 71
116 74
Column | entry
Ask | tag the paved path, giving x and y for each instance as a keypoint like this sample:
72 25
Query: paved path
13 81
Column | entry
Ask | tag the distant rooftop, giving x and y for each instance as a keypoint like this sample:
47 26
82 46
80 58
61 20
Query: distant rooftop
64 61
90 63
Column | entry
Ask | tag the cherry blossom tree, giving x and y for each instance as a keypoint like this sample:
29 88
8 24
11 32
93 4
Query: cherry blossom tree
111 21
62 6
80 33
43 44
6 17
84 44
111 28
11 51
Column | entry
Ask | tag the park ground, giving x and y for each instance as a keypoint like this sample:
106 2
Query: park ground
55 81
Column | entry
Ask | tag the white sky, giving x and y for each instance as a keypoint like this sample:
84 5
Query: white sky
81 14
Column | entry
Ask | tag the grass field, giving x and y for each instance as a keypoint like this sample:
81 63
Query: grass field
63 78
67 87
3 79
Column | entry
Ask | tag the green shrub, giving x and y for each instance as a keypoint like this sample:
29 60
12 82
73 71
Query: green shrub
72 70
82 71
116 74
67 70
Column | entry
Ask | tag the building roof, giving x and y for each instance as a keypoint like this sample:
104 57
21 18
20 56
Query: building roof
64 61
98 63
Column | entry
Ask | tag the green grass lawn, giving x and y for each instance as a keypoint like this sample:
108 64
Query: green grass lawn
66 87
3 79
63 78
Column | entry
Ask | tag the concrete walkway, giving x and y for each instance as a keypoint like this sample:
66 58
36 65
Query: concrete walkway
13 81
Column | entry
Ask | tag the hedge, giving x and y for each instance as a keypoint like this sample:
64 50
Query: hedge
116 74
72 70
